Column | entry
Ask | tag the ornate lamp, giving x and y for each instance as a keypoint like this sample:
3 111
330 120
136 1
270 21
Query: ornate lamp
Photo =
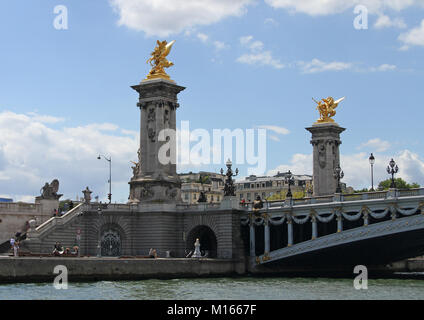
289 180
372 161
338 174
392 168
229 189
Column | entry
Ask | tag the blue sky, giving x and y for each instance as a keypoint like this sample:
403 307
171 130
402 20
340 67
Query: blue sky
65 95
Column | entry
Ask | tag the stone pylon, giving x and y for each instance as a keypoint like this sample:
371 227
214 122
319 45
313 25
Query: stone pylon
326 156
155 178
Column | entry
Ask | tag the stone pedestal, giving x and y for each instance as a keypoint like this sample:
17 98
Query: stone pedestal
155 181
326 156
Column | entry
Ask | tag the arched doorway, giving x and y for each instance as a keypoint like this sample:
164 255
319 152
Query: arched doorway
111 243
207 238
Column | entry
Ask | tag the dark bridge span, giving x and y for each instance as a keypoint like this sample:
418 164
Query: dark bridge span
382 228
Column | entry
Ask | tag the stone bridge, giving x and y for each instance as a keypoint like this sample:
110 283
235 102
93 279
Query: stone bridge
341 230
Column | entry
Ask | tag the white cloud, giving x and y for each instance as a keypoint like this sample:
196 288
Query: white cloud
327 7
165 17
257 55
275 138
219 45
35 153
203 37
317 65
383 68
44 118
413 37
276 129
299 164
384 21
271 22
377 144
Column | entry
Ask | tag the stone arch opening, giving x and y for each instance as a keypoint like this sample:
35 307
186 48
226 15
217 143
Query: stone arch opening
111 240
207 238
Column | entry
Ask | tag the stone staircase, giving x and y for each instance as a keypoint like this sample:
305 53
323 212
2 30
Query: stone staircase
57 229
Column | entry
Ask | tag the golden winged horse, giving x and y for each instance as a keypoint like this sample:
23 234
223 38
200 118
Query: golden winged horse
326 108
158 60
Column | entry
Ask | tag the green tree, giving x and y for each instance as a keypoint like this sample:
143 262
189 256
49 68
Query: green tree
399 183
282 195
361 190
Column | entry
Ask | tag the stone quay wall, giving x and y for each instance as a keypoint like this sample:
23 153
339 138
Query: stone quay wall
35 269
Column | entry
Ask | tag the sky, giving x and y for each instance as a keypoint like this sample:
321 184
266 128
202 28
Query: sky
66 68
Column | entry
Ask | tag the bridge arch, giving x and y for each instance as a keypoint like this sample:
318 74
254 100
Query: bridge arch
207 238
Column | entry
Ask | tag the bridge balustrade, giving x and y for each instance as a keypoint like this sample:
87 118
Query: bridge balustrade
285 223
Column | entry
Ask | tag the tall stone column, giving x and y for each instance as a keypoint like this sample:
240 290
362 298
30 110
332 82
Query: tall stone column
154 181
326 156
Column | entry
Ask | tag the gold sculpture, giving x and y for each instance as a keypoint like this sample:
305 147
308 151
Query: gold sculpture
159 62
326 108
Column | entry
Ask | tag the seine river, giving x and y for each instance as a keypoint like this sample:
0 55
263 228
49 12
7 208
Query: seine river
221 289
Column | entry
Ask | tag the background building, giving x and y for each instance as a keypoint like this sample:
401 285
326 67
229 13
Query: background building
266 186
212 184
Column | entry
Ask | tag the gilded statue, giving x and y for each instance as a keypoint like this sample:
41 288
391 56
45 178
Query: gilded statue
159 62
326 108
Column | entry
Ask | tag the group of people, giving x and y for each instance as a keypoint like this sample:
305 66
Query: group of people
58 250
66 207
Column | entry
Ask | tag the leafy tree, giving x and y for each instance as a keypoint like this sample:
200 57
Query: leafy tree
282 195
361 191
399 183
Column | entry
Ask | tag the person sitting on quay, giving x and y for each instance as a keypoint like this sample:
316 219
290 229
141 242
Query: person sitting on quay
58 249
152 253
76 249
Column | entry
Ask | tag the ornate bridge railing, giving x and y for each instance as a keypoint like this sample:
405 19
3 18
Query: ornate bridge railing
283 225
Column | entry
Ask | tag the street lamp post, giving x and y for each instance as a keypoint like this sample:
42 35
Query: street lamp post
392 168
229 189
372 161
109 196
289 179
338 174
99 243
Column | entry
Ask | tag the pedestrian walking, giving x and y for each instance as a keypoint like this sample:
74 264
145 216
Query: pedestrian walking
16 249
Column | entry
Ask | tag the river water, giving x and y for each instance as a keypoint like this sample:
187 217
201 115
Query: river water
246 288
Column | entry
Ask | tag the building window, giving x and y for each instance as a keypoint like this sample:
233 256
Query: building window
241 196
186 196
194 196
212 198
